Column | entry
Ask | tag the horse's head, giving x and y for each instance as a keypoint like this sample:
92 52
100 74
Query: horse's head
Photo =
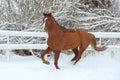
46 21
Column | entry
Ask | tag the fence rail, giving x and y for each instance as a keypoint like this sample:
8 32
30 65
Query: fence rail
43 34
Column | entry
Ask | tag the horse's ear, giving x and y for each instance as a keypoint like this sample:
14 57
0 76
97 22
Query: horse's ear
50 14
44 14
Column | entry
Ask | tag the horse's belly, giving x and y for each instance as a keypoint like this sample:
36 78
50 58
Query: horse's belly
71 42
71 45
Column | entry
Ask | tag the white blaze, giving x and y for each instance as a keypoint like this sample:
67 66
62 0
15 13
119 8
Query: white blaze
44 23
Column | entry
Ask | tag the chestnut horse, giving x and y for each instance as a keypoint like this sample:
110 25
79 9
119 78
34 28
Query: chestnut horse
60 38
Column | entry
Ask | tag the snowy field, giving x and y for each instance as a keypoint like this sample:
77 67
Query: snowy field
101 66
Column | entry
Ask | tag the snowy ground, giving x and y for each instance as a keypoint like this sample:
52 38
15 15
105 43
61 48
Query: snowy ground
97 67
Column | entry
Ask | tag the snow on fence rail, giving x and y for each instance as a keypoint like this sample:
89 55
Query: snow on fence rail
43 34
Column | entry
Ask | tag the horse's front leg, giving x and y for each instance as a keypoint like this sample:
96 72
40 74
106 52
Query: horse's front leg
56 57
47 51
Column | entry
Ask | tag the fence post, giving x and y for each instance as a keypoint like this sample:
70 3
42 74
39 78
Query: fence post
100 41
7 53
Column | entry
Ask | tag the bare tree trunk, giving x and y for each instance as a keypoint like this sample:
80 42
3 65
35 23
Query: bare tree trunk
21 52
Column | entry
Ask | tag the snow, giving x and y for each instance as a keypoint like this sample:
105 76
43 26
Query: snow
100 66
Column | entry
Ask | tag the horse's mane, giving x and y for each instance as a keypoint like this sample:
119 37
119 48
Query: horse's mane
67 30
63 28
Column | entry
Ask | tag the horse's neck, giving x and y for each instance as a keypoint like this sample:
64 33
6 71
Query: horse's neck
55 30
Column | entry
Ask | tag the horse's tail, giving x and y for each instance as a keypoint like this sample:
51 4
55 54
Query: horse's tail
94 44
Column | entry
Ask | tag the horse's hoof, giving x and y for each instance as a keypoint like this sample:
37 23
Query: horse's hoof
74 63
57 68
46 62
72 60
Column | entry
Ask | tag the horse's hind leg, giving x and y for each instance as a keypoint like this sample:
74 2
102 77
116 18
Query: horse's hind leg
75 50
47 51
81 50
83 46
